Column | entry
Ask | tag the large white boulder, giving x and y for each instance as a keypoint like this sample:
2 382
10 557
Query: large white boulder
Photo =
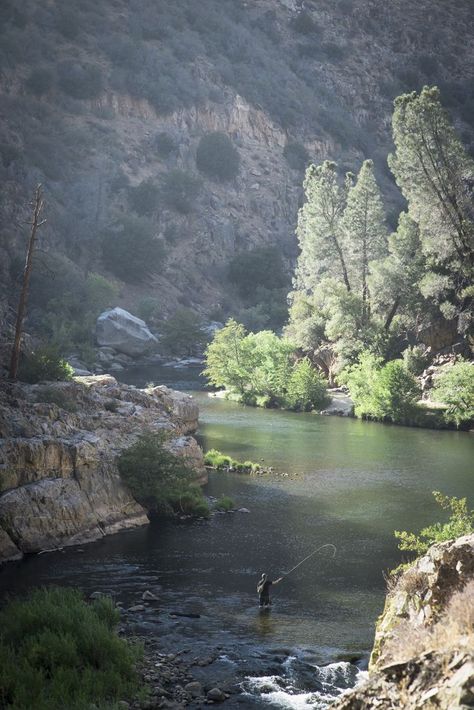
118 329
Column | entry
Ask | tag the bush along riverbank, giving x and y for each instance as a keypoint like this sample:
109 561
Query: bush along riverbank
163 483
261 369
217 461
391 392
57 651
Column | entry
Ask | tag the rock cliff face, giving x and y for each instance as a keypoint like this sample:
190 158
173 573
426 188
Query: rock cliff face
423 653
59 483
267 73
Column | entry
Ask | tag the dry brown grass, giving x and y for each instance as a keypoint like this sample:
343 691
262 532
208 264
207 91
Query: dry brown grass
454 628
413 582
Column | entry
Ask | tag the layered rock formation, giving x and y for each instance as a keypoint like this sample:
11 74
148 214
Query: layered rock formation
59 483
423 655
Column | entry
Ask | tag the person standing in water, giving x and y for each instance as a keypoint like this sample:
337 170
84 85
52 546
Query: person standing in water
263 589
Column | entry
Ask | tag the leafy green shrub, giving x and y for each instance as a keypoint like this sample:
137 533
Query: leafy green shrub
164 144
385 392
217 157
460 522
130 249
216 459
258 369
455 388
157 478
296 155
39 81
81 81
191 502
306 389
149 309
179 190
100 293
143 199
44 363
222 462
261 267
415 359
224 504
53 395
182 333
57 651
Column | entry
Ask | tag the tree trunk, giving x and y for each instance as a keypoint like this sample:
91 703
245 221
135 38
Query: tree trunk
391 313
37 205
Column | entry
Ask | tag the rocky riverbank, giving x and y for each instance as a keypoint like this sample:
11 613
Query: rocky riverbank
59 484
423 656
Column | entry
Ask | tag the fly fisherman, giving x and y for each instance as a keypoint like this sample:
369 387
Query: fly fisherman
263 589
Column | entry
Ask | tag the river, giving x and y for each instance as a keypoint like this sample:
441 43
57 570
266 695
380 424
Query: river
349 483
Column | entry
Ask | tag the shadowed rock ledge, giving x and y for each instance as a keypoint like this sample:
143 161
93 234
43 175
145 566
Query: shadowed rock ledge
59 483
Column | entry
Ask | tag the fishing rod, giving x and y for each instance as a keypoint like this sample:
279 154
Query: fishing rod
329 544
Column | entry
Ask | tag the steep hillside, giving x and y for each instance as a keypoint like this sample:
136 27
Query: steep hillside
103 97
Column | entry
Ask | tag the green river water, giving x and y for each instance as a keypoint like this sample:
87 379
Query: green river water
350 483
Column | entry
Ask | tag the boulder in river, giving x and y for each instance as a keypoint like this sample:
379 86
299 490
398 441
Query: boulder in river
216 694
119 329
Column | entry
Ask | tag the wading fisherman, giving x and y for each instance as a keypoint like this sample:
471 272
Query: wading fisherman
263 589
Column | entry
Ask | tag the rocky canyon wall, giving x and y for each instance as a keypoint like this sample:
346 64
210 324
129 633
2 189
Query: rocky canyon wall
59 483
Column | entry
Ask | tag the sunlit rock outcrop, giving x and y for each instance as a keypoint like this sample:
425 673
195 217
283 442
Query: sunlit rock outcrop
423 653
59 483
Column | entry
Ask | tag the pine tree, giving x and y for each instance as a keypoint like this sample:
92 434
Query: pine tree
365 233
435 175
395 281
319 228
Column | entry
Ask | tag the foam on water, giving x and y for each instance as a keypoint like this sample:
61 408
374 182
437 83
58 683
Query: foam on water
283 691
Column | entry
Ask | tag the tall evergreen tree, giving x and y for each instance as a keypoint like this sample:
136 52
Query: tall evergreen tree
395 281
365 233
436 176
319 228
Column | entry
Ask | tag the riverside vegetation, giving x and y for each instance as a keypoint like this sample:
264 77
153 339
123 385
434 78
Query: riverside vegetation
459 523
164 483
58 651
361 296
159 480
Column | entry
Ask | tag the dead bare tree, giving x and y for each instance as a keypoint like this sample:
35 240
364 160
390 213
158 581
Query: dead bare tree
37 205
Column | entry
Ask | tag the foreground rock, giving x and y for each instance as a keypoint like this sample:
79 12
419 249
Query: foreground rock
59 483
120 330
423 654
